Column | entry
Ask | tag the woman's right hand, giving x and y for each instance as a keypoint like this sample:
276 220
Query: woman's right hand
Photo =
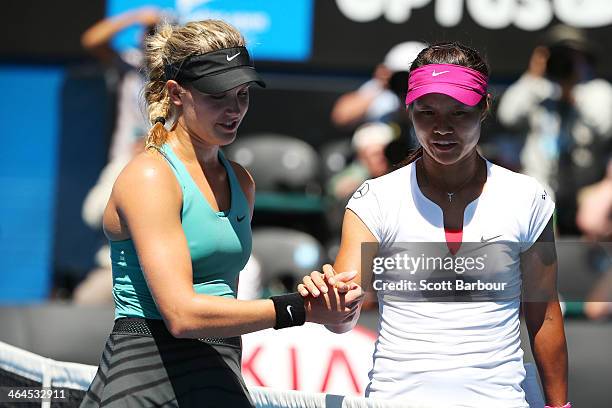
331 298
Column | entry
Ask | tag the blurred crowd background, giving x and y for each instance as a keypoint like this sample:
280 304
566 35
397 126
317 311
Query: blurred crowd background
331 117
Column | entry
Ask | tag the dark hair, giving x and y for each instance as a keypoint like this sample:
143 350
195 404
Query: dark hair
449 53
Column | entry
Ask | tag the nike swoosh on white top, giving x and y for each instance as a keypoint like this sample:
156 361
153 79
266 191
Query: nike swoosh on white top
482 238
435 74
289 311
232 57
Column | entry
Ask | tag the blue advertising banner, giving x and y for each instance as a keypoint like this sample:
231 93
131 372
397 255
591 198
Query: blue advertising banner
274 29
28 179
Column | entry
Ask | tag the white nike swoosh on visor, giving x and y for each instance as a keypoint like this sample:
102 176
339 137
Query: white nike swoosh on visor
435 74
232 57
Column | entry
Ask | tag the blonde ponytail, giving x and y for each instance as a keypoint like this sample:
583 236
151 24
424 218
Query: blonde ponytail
156 137
156 93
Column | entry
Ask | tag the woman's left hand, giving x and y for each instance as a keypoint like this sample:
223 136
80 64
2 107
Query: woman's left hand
317 282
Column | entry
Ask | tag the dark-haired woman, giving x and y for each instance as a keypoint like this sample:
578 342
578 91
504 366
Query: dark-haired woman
431 350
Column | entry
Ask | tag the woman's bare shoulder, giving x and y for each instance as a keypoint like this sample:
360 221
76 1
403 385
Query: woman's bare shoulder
147 176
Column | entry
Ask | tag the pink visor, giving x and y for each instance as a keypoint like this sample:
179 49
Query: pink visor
466 85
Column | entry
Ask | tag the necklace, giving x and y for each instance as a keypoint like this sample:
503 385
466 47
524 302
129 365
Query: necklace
450 194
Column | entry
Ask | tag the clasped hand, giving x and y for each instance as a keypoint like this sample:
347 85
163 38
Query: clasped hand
330 298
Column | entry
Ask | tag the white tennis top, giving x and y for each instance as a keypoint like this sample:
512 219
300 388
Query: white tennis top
452 354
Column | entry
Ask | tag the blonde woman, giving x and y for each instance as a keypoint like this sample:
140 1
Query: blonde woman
178 222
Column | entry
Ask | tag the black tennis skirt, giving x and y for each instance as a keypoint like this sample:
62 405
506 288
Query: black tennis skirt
143 365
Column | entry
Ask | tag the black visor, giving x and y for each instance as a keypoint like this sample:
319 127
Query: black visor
215 72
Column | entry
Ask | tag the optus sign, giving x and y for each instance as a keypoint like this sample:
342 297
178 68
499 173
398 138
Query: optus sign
529 15
309 358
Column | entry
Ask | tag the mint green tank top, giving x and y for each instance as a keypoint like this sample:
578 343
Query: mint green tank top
219 244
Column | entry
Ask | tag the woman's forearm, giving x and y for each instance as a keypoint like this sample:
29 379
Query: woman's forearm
549 349
344 327
215 316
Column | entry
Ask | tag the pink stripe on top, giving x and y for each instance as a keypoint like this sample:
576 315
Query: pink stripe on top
454 238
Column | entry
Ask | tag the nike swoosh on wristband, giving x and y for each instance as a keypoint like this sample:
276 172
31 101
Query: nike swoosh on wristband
232 57
435 74
239 219
289 311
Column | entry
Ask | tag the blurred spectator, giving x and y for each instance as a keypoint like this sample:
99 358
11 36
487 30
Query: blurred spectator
96 288
123 70
594 216
123 73
369 143
595 221
250 286
598 305
379 97
566 115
